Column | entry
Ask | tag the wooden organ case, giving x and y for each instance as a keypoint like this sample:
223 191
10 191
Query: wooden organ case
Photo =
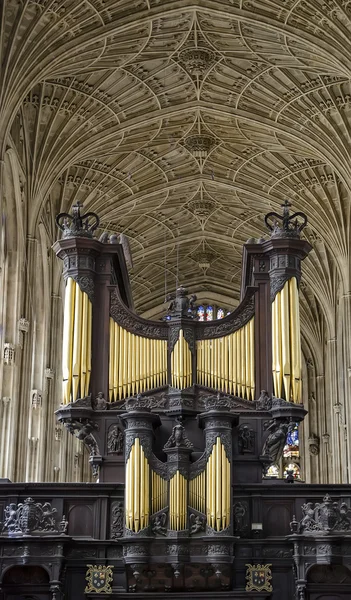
181 420
188 398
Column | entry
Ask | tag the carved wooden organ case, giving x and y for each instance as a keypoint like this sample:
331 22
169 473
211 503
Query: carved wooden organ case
177 409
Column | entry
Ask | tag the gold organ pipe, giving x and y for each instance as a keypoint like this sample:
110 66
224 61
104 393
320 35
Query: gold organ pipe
224 488
137 485
131 487
129 363
295 340
83 350
213 487
229 487
218 485
142 489
243 366
226 362
247 360
278 367
67 344
147 492
116 359
285 324
252 358
274 337
77 341
133 361
180 360
111 360
121 362
238 361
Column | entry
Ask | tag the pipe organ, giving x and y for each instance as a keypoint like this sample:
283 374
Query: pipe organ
108 349
175 410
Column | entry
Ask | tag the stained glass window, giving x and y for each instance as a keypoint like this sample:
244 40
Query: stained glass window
295 470
291 448
273 471
200 313
209 313
220 313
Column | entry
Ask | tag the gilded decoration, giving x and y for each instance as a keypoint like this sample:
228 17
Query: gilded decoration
99 579
259 578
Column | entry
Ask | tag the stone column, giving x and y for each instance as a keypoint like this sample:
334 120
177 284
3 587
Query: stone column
332 394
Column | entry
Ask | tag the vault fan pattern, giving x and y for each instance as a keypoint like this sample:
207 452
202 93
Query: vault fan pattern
180 124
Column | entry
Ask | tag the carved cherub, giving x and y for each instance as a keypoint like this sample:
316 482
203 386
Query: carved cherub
197 523
159 524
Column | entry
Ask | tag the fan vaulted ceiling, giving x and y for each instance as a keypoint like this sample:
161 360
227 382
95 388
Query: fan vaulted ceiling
181 123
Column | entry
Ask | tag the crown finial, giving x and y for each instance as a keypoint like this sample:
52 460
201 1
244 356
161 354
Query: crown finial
286 225
77 225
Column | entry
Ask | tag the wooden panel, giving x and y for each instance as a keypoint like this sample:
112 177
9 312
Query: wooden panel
81 519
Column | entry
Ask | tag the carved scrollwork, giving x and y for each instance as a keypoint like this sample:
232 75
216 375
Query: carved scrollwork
132 322
173 336
277 284
237 319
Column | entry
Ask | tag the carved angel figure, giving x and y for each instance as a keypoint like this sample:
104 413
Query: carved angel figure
159 524
197 523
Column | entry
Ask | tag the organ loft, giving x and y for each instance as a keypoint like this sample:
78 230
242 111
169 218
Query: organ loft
186 425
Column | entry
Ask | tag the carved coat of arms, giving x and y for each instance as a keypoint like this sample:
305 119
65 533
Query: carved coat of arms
99 579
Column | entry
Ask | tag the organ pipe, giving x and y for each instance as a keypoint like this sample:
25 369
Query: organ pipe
218 488
197 492
137 496
286 345
76 350
228 363
158 492
178 489
136 363
181 363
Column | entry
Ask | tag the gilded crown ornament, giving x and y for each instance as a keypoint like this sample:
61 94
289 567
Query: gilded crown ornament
286 225
77 225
